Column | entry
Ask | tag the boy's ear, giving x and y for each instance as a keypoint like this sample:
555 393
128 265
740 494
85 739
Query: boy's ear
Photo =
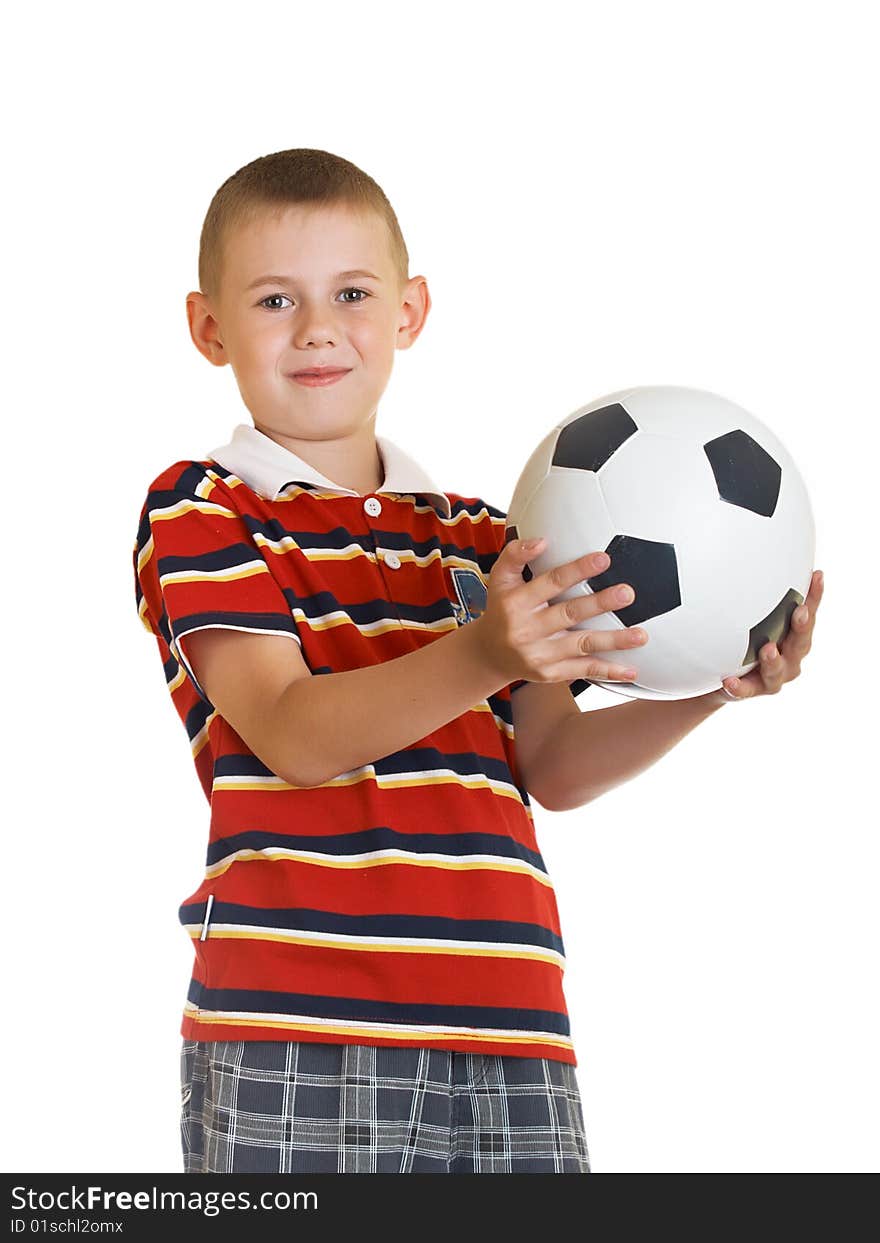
414 308
204 328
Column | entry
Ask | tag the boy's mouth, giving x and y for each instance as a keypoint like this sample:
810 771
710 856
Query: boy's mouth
319 376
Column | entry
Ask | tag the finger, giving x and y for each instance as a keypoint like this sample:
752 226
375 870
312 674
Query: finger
773 666
744 688
604 671
568 614
593 670
575 644
543 587
815 593
797 641
799 638
509 567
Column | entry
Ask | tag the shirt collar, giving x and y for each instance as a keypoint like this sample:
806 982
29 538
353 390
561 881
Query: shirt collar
267 467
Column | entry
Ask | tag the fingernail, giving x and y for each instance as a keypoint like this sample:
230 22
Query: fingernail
602 561
820 577
801 615
529 544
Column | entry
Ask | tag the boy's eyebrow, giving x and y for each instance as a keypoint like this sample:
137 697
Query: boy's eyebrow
289 280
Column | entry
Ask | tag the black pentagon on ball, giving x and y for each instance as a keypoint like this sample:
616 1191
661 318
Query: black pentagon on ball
588 442
745 472
774 627
650 568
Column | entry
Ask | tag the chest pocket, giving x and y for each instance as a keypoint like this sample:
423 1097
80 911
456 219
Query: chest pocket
470 595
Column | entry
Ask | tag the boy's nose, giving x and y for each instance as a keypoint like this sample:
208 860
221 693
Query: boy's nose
314 328
311 340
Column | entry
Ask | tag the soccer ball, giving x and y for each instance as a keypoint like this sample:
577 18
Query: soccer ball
701 510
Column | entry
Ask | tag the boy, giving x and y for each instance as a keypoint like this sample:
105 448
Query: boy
378 975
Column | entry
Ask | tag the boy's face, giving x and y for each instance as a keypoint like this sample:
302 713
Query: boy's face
308 315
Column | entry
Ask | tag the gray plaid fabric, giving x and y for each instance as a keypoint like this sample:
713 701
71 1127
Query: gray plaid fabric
280 1107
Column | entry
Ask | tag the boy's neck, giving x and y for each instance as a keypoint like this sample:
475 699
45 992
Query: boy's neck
358 466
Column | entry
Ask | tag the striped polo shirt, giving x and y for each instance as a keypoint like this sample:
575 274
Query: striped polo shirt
404 902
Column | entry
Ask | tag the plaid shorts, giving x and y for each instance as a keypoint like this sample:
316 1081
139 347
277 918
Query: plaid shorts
282 1107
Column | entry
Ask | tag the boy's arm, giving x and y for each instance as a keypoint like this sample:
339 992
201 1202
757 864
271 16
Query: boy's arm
570 757
539 710
309 729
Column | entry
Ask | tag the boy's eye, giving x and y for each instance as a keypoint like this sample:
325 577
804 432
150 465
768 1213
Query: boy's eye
269 297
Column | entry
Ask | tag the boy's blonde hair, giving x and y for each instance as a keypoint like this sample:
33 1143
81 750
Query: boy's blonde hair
301 175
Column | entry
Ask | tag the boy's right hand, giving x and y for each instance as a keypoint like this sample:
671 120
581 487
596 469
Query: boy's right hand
524 636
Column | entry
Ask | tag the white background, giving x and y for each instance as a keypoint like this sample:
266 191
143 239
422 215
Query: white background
600 196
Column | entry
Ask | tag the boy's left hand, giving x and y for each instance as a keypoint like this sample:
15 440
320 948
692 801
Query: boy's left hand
778 666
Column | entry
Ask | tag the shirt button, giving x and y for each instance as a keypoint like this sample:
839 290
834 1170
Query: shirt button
392 560
373 506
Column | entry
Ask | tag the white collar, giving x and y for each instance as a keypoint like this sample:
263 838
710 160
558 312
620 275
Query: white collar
267 467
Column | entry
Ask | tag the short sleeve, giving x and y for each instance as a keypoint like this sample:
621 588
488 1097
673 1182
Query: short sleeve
197 567
502 534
